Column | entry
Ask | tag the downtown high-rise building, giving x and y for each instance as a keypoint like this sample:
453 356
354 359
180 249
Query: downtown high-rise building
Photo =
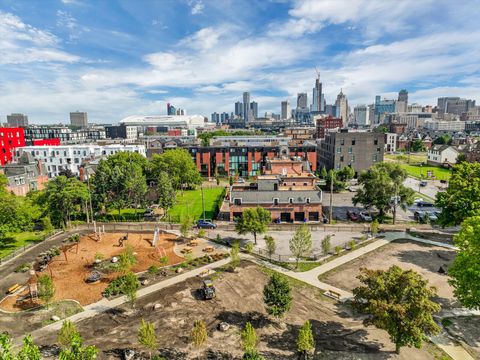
361 115
17 120
341 105
246 106
239 109
318 102
286 112
79 119
302 100
402 102
254 110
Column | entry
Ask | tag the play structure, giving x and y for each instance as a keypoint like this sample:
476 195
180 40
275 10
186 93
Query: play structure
122 240
94 277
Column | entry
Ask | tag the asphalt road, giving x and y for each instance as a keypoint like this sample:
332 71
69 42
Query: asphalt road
430 191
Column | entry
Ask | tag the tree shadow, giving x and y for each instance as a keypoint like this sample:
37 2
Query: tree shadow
329 336
257 319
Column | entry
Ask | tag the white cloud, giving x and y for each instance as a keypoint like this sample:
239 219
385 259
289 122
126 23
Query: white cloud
196 6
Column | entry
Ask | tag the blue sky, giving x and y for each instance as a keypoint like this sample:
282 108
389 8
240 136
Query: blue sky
119 58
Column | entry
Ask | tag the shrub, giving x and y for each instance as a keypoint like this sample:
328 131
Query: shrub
118 285
352 244
23 267
249 247
338 249
199 333
202 233
153 270
99 256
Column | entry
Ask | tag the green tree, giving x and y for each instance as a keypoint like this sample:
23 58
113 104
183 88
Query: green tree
146 336
460 200
326 245
417 146
127 259
46 289
382 188
277 295
301 243
253 221
465 270
374 227
130 287
324 173
345 174
462 157
399 302
381 129
443 140
120 181
77 351
64 199
185 225
305 341
235 254
179 165
166 192
67 333
249 338
29 350
271 245
199 333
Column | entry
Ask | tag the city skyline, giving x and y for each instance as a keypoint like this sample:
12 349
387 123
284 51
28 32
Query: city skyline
116 59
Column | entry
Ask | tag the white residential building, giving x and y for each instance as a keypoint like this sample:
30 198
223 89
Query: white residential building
442 154
391 142
70 157
442 125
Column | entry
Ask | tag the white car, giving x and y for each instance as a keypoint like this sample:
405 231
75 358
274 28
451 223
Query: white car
365 216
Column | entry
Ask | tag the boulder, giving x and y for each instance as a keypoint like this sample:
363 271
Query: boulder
55 318
179 270
128 354
157 306
144 282
223 326
114 259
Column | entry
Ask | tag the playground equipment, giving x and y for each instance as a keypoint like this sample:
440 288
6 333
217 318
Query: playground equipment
99 231
208 290
122 240
155 236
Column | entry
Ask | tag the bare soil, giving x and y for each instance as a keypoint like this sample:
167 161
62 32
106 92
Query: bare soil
422 258
467 329
239 299
69 273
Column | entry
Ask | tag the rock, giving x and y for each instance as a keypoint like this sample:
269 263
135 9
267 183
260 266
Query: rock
98 261
144 282
128 354
49 351
179 270
223 326
55 318
157 306
114 259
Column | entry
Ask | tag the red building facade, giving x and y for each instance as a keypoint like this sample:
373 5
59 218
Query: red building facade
46 142
325 123
10 139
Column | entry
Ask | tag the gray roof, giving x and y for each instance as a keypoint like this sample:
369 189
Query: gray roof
283 196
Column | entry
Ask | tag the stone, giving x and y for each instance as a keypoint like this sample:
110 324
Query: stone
144 282
179 270
55 318
128 354
157 306
223 326
114 259
98 261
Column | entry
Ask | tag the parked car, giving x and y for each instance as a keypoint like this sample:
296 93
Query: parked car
352 215
423 183
417 200
432 216
241 181
365 216
443 181
206 224
149 213
352 189
424 204
419 216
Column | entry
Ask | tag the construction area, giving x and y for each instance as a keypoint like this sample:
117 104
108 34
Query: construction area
75 264
428 260
239 298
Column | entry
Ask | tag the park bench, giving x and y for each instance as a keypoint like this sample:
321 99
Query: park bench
332 294
14 288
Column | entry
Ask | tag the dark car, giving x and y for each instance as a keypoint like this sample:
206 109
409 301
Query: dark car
423 183
352 215
443 181
424 204
206 224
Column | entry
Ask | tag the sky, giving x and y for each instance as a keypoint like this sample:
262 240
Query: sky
116 58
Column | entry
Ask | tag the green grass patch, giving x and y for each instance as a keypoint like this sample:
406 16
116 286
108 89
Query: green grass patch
189 203
420 171
446 322
20 240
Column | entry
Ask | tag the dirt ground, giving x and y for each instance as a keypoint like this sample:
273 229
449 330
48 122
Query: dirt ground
69 275
239 299
424 259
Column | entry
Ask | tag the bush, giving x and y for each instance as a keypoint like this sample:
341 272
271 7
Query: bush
153 270
352 244
117 286
249 247
201 233
338 249
23 268
99 256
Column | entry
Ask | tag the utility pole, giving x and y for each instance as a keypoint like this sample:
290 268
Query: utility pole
330 214
203 204
89 194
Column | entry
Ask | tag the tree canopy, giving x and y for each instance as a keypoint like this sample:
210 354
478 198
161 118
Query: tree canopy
165 191
398 301
465 270
461 200
253 221
383 189
120 181
301 242
179 165
277 295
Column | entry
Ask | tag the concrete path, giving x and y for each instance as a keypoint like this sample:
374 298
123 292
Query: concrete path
105 304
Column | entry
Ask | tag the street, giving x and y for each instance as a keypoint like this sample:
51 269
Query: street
430 191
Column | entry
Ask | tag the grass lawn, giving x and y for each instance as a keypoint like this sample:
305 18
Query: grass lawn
419 172
21 239
190 203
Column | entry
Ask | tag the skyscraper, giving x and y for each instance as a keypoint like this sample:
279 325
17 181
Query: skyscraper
302 100
254 110
403 96
246 106
16 120
239 109
318 101
286 112
342 107
79 119
361 115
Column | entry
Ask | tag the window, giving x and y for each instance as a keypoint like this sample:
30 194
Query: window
290 200
275 201
342 142
339 150
375 142
237 201
353 141
350 150
341 158
308 200
353 159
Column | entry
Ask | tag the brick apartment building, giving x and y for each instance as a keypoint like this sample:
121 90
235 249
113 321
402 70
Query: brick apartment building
10 139
247 156
358 149
328 122
25 175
